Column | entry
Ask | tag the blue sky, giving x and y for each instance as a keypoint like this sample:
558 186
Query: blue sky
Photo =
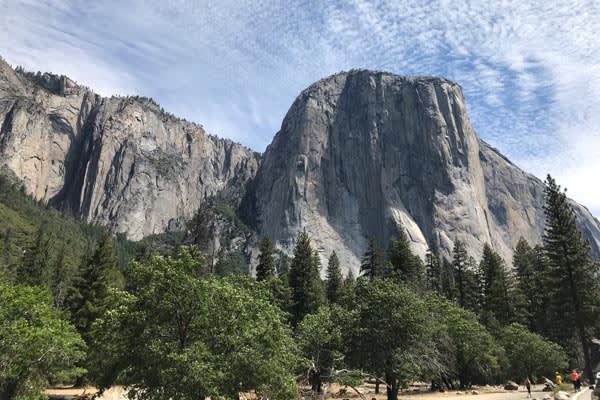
530 70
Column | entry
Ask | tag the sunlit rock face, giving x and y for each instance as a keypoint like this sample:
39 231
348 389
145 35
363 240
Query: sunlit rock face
121 162
364 154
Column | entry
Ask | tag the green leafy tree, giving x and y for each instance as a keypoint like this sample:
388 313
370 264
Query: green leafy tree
176 336
404 263
320 339
530 354
266 262
572 276
390 333
373 262
334 279
36 345
307 289
466 350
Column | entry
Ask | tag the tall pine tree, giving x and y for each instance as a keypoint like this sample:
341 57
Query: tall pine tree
35 267
572 276
266 263
373 262
404 263
334 279
305 282
87 296
495 288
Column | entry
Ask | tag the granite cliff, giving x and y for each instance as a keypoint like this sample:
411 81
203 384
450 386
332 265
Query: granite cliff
121 162
363 154
359 155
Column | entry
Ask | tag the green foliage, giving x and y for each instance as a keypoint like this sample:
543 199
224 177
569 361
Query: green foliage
232 263
530 354
497 307
173 335
36 346
466 350
307 289
320 339
266 263
404 264
373 262
333 287
389 333
33 236
465 280
87 296
572 275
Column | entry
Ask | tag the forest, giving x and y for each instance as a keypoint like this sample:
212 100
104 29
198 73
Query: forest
169 320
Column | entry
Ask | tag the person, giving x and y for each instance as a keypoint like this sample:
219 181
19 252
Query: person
528 386
575 379
558 379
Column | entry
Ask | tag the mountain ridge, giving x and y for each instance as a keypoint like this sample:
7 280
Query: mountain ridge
125 163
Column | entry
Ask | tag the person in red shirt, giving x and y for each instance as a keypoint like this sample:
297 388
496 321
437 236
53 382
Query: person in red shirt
575 380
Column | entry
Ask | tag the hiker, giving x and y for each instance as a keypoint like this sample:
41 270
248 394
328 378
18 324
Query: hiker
528 386
558 379
575 380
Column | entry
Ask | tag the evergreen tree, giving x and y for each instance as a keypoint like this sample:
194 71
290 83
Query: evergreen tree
373 262
59 282
404 263
465 278
305 283
35 265
86 299
526 290
540 317
572 276
232 263
495 288
448 283
433 271
266 264
283 266
334 278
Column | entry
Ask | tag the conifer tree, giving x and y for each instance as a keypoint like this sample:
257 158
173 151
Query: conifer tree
373 262
86 299
572 276
465 277
334 278
266 264
523 266
34 268
404 263
305 282
495 289
433 270
59 282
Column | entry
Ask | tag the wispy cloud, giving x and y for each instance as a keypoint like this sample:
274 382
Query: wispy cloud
530 71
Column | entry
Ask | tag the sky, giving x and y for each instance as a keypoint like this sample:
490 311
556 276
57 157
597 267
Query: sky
530 70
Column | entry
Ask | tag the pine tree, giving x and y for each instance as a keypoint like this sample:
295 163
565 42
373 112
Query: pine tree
35 266
572 276
495 289
404 263
465 277
266 264
334 278
305 282
373 262
59 282
87 297
524 269
433 271
447 281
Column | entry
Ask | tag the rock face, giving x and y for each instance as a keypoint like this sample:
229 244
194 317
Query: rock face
363 154
359 155
120 161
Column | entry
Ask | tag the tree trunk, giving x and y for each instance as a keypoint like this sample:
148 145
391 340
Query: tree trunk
8 391
392 387
377 386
